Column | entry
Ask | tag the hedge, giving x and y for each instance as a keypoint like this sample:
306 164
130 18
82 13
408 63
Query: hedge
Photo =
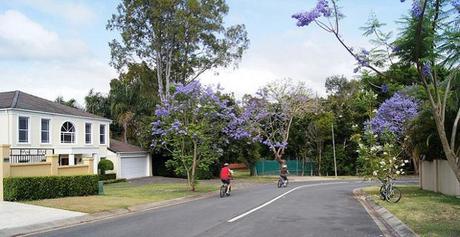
103 177
34 188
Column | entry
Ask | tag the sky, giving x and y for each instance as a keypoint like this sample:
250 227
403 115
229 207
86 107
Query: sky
53 48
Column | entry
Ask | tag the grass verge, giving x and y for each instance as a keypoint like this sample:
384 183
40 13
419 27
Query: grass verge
123 195
244 175
427 213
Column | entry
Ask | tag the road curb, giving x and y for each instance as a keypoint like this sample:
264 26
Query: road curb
389 224
99 216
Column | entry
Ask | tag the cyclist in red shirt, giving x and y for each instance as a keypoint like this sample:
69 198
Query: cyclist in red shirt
225 176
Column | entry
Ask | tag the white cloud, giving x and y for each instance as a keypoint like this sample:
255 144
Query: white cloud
38 61
23 39
73 12
310 61
52 79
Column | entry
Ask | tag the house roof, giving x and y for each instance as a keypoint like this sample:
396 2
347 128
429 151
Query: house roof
22 100
119 146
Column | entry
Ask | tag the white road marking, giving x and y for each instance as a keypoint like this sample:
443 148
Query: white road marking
280 196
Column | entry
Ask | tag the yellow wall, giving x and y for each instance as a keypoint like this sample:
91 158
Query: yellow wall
22 170
48 168
73 170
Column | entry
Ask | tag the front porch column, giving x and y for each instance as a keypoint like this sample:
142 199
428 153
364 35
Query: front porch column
71 159
90 162
53 159
96 159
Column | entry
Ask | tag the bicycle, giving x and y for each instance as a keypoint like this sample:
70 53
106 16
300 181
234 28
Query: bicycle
282 182
223 190
388 191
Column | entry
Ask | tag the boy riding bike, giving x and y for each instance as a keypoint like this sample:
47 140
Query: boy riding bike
283 174
225 176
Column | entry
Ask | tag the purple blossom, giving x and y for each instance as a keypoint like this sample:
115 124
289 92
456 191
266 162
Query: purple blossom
321 9
362 61
364 52
416 10
426 70
384 88
456 5
161 111
396 49
192 87
402 0
393 113
176 125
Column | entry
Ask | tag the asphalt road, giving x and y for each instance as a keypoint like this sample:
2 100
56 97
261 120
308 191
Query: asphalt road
308 209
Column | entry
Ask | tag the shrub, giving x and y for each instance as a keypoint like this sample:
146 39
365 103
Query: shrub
33 188
112 181
107 176
105 165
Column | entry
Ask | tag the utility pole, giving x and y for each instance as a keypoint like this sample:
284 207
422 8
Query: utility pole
333 149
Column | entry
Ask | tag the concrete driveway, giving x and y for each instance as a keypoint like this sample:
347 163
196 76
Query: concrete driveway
13 214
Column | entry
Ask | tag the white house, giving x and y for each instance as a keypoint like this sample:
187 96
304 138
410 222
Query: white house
33 127
129 161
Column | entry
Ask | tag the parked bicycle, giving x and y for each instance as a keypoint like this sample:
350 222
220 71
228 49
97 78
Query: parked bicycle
388 191
225 190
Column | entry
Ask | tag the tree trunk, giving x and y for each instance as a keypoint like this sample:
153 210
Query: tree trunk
319 162
415 159
303 165
452 159
194 165
125 131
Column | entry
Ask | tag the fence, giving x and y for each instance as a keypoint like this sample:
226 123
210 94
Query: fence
437 176
28 155
49 167
295 167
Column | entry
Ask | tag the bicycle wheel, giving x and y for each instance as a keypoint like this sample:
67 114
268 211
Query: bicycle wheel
280 183
382 192
223 190
394 195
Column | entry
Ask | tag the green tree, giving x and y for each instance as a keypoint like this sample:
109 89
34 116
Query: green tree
131 99
180 39
98 104
71 102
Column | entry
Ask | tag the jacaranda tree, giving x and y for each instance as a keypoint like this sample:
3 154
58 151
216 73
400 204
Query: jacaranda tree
380 145
190 125
393 114
267 117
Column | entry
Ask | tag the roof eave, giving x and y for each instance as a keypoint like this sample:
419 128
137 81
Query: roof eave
67 115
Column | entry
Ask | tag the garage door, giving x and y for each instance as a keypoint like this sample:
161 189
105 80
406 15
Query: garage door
133 167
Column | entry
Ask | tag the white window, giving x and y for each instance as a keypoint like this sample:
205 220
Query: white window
88 138
102 134
45 131
23 130
67 133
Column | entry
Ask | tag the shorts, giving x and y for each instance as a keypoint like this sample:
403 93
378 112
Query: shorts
225 181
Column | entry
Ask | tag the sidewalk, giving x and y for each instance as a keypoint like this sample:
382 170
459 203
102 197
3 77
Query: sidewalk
14 215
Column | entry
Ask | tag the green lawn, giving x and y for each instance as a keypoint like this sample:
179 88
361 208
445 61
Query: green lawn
123 195
243 175
427 213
